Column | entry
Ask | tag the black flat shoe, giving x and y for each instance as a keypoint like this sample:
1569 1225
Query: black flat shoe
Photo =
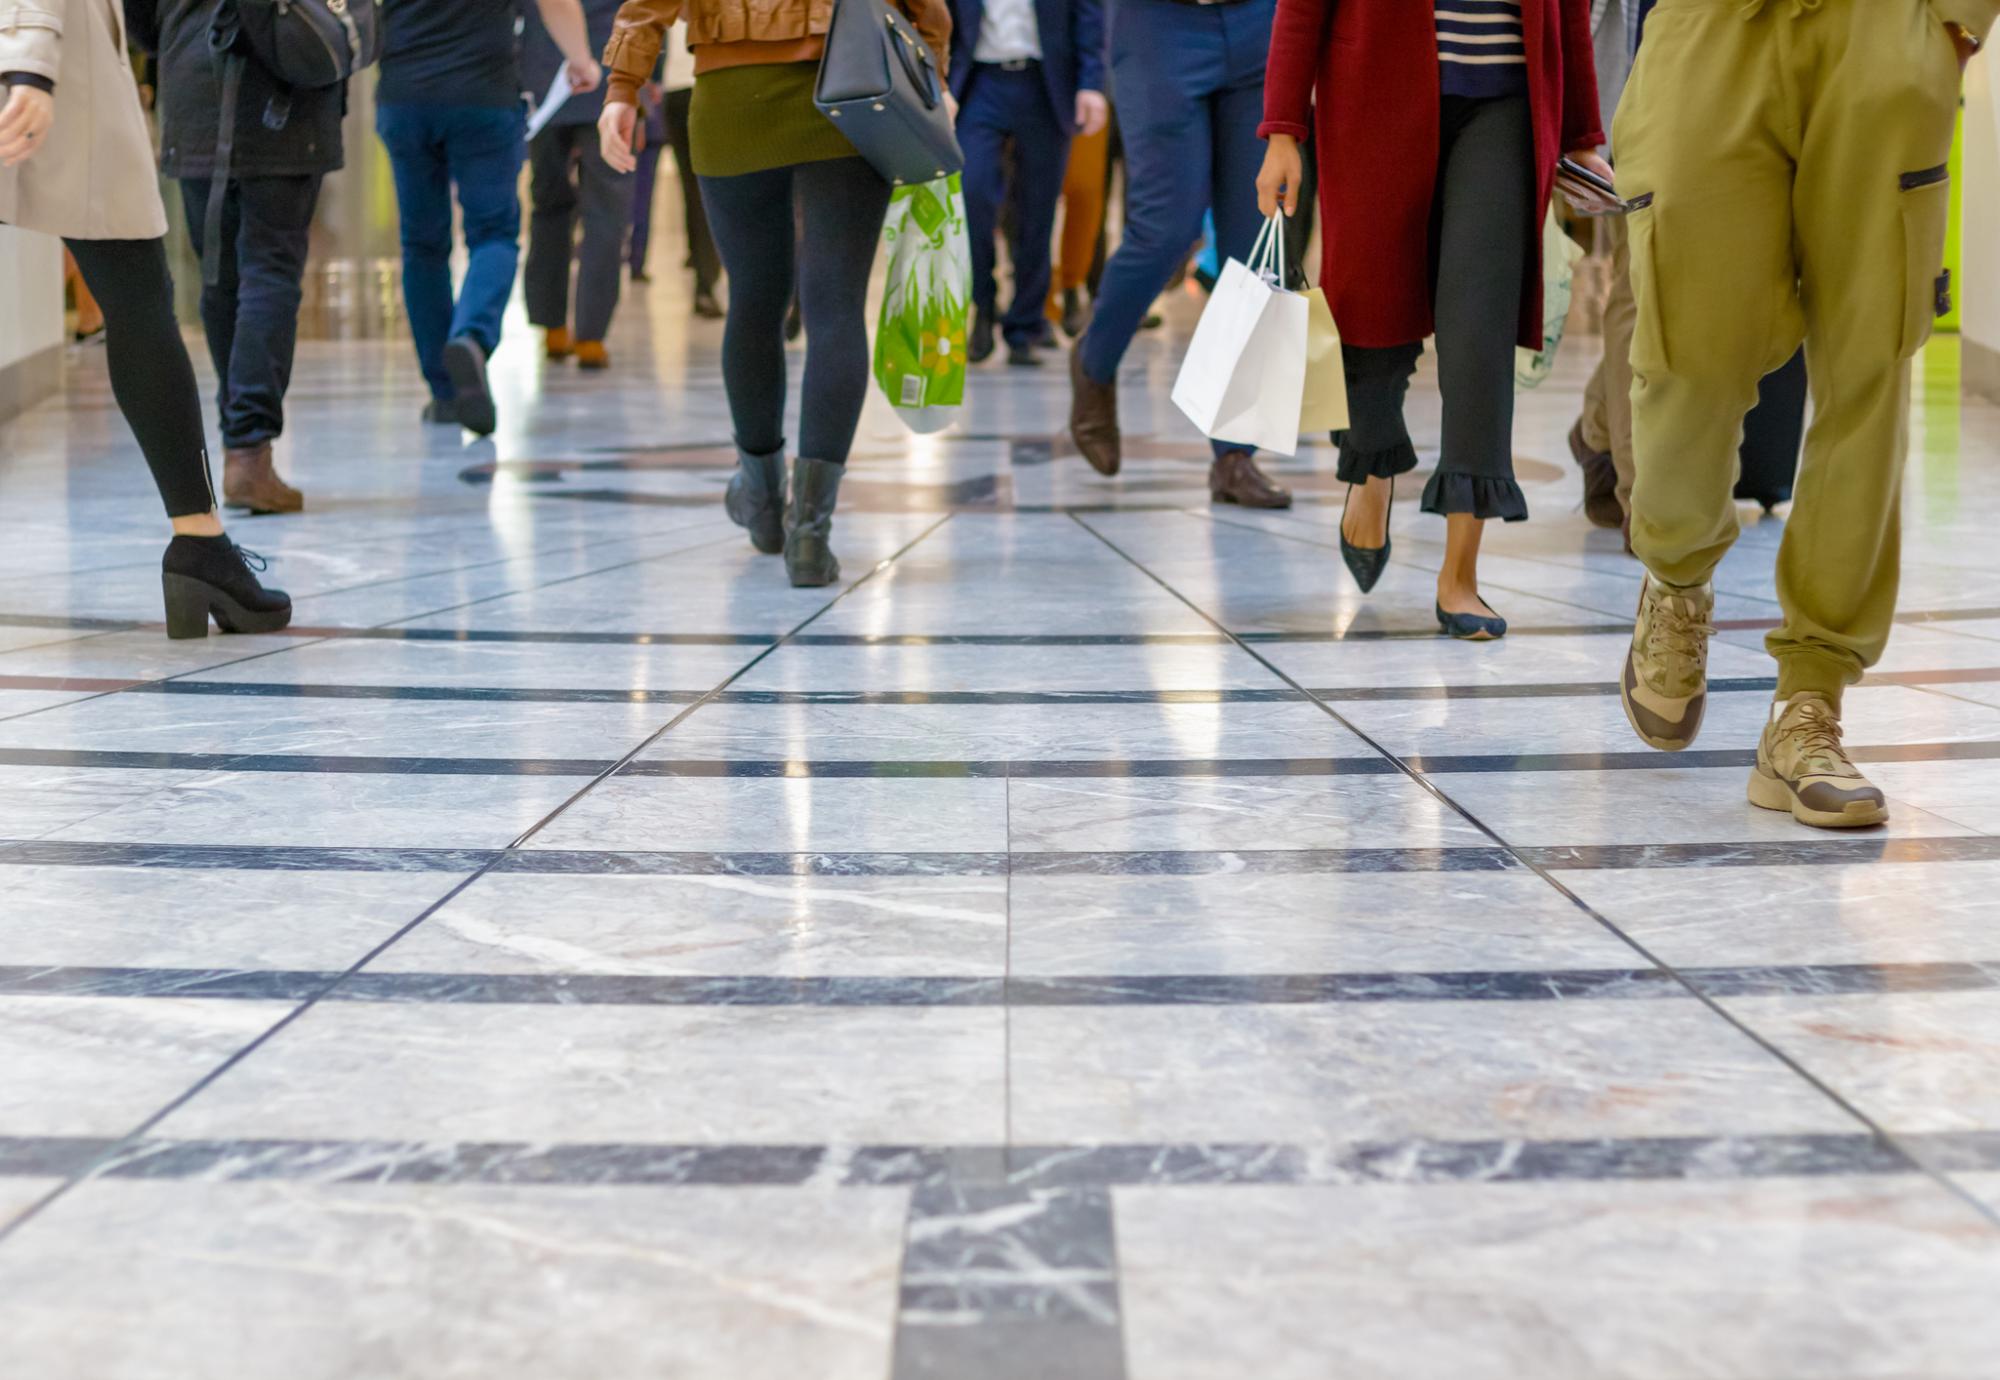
1365 563
206 577
1471 627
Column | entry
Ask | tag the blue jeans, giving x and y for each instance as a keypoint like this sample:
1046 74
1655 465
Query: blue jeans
1189 81
1000 105
480 148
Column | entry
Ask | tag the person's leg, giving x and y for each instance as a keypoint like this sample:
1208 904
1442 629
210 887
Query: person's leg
1772 435
701 242
151 376
203 573
645 182
551 229
845 201
849 199
218 299
1374 449
606 196
485 149
1235 155
1041 156
1619 319
1167 59
1486 209
1872 204
753 231
417 162
271 248
982 135
1706 151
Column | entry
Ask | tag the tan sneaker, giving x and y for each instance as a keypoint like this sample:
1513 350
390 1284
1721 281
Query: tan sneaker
1665 685
1801 767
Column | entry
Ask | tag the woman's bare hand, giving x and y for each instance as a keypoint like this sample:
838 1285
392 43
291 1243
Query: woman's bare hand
617 128
1278 180
25 123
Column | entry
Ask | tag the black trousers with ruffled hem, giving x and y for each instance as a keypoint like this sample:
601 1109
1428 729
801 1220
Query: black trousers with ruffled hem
1482 231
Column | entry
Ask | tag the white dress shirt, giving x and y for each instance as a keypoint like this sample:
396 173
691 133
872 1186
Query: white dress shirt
1008 32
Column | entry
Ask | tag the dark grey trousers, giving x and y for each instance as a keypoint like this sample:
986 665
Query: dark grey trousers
1482 231
568 179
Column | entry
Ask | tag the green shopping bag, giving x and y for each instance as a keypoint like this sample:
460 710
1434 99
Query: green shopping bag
920 340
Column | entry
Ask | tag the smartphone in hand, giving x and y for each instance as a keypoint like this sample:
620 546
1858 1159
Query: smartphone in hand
1593 195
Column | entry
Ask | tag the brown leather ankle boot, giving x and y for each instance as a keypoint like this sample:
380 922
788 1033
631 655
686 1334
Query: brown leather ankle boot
1093 417
1235 478
250 480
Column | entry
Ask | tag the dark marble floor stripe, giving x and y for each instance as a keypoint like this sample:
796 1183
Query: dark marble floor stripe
1310 862
1020 1167
1158 989
1231 767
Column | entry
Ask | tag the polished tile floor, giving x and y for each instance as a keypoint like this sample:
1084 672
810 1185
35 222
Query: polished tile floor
1092 942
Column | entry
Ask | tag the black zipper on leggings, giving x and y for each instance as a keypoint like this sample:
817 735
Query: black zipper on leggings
1929 177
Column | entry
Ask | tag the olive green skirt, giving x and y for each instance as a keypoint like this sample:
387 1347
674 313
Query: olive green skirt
751 119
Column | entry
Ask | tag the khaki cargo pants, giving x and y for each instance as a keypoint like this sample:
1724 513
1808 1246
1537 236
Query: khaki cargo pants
1789 157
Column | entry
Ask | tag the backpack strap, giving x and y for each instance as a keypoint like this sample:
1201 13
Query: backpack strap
233 65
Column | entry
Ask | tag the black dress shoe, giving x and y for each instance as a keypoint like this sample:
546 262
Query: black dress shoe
1600 481
472 395
795 322
205 577
1023 357
979 346
708 309
1471 627
441 412
1365 563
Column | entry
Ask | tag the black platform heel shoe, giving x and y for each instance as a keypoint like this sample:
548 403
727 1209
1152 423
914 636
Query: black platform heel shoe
1366 564
756 499
1471 627
809 558
205 577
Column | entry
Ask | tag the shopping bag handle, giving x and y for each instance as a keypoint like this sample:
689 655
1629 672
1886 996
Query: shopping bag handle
1267 253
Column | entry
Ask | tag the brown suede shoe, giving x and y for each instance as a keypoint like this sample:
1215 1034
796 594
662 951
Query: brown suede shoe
1093 416
250 480
1235 478
1600 482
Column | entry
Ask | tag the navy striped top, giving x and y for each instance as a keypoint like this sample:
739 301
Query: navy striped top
1480 48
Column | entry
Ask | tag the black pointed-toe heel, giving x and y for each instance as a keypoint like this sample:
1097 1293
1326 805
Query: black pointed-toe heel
1471 627
204 577
1365 563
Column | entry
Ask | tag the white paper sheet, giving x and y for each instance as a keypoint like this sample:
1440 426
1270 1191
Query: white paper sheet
560 91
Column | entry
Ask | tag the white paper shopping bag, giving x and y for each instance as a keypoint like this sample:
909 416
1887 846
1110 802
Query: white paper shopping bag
1243 380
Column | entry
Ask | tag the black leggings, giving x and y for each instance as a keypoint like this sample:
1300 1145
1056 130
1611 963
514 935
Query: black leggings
843 201
1482 231
151 375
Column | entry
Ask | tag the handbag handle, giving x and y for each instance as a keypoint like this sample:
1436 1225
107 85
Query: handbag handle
919 70
1267 252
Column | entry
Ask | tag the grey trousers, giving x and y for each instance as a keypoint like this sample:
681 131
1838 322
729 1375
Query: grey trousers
568 180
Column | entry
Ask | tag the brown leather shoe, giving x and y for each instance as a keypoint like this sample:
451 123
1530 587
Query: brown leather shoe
250 480
1093 416
1235 478
1600 482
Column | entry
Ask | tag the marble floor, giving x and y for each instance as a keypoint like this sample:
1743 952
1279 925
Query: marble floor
1091 942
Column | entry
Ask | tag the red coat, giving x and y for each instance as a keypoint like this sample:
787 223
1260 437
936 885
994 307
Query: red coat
1371 67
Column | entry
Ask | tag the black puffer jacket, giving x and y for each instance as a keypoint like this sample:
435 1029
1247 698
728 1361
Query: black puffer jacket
190 101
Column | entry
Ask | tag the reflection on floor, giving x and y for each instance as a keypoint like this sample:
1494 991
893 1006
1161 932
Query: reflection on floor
1093 942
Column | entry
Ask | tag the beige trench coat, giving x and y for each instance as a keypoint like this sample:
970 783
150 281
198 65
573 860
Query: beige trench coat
95 179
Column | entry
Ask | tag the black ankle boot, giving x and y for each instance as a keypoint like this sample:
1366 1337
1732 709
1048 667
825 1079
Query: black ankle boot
213 575
809 560
756 499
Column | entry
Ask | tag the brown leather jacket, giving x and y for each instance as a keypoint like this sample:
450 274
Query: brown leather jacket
766 30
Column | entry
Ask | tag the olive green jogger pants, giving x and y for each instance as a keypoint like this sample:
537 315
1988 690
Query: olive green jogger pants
1788 161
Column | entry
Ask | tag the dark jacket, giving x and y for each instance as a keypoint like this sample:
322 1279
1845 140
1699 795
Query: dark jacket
1073 41
1361 78
190 101
541 60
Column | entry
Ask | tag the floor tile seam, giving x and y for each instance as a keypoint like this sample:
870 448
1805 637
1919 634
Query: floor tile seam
1987 1211
9 1227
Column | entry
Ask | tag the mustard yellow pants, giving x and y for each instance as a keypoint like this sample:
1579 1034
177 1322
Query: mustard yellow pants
1790 158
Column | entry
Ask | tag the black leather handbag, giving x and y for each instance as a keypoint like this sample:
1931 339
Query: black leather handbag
880 85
